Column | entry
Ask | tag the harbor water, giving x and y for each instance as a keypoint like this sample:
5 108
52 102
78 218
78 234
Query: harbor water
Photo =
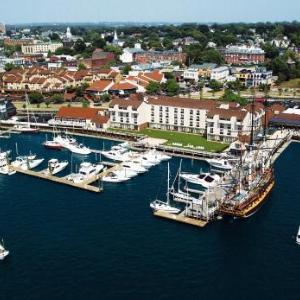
70 244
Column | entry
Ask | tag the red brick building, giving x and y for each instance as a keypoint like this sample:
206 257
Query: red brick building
239 55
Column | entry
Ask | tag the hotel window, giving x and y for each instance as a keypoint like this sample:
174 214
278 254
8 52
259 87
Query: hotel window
191 111
160 108
152 120
191 124
182 111
197 124
167 109
175 110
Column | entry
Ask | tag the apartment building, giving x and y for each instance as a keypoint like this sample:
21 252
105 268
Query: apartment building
254 77
224 122
37 48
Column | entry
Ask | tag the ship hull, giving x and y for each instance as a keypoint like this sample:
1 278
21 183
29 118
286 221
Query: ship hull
254 204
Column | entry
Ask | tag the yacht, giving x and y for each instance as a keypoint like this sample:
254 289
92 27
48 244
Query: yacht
4 167
204 179
52 145
55 166
4 155
113 155
3 251
151 157
221 164
87 171
27 162
298 237
115 177
134 166
119 148
64 141
128 171
160 156
26 128
158 205
79 149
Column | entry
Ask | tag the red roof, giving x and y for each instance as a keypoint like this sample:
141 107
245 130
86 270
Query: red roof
100 85
123 86
78 112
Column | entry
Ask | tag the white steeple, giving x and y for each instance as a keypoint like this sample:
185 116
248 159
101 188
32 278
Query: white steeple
69 33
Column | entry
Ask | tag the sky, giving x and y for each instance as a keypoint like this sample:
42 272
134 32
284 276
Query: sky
177 11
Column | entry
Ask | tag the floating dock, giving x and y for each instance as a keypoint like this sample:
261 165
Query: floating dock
85 185
181 218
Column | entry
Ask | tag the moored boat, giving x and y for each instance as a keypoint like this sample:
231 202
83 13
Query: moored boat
3 252
204 179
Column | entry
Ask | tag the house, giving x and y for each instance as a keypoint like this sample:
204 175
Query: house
128 55
99 59
79 117
220 74
191 74
253 77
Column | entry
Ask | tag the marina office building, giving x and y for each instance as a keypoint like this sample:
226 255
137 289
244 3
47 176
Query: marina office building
219 121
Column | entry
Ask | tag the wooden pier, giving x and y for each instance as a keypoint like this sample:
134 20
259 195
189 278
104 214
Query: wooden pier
85 185
181 218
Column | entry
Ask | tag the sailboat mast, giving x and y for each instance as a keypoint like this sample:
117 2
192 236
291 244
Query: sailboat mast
168 188
27 109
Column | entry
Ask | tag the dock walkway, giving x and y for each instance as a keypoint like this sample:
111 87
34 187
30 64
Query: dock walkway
180 218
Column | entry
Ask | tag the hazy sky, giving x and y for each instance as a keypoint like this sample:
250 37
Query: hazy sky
26 11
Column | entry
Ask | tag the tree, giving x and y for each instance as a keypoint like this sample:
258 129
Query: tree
79 46
126 69
201 87
8 67
47 102
114 49
172 87
105 97
230 96
215 86
57 99
35 97
81 66
153 88
85 103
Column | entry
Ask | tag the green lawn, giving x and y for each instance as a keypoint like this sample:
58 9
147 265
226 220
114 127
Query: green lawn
194 141
185 139
293 83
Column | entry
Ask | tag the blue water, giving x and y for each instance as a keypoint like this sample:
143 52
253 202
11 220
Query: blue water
71 244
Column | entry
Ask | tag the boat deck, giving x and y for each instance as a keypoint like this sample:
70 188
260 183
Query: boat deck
181 218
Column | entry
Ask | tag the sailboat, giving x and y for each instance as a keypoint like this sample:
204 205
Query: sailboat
3 251
26 128
158 205
298 237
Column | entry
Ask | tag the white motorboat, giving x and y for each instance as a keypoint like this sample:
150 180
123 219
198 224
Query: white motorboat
119 148
151 157
298 237
115 177
55 166
134 166
160 156
221 164
64 141
87 171
3 252
4 167
25 128
158 205
27 162
4 155
79 149
183 196
113 155
205 179
52 145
